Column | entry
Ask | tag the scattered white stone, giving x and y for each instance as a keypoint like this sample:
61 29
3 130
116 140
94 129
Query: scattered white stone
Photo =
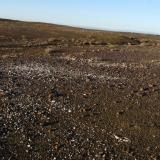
121 139
28 145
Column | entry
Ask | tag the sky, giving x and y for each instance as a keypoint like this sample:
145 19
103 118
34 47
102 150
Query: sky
117 15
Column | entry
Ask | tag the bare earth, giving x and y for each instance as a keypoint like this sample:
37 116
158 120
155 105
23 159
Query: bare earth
75 94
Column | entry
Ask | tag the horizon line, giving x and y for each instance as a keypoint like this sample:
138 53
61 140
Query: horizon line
84 27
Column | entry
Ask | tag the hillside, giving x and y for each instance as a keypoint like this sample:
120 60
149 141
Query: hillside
73 93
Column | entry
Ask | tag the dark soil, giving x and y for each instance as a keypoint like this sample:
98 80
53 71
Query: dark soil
68 93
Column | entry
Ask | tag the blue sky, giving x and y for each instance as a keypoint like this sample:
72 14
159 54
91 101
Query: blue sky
123 15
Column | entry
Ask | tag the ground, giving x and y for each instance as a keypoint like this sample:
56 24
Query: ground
68 93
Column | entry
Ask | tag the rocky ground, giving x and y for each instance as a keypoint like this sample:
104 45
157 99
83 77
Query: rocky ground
78 98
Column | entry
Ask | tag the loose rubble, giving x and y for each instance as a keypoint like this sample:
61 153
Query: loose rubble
78 98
